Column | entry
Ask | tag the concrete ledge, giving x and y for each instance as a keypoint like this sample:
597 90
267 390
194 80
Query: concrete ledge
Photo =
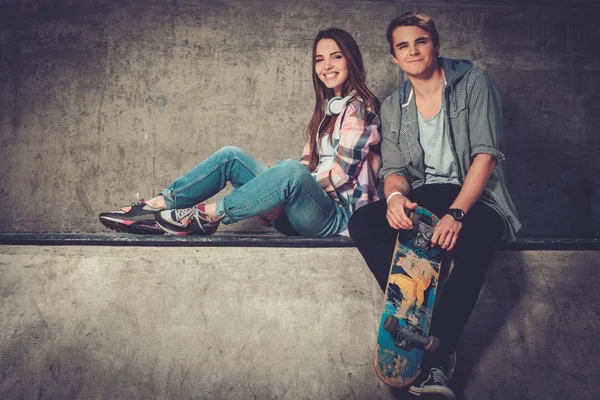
254 239
104 322
225 239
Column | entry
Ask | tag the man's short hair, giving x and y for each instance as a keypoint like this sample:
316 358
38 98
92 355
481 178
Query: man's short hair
413 19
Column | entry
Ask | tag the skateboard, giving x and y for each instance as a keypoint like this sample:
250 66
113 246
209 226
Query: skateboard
408 303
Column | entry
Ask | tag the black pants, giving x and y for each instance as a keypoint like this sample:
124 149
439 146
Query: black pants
480 233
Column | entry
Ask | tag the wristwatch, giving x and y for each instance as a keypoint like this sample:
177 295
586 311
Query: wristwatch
456 213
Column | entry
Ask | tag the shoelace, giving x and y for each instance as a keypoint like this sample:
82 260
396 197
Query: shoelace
192 213
438 376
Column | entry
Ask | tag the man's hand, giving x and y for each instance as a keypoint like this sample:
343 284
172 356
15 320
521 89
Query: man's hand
396 215
266 218
446 232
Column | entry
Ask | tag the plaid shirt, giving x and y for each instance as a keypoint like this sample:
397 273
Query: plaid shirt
352 179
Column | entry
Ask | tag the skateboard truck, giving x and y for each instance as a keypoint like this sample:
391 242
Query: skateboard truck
405 337
424 232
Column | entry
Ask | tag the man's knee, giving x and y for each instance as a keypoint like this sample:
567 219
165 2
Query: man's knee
357 222
367 220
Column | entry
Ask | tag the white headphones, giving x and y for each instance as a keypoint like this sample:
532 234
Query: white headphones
337 104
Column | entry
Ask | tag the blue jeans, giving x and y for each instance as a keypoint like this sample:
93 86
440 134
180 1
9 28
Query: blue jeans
309 211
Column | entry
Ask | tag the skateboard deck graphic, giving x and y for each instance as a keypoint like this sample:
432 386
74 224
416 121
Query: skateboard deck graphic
408 303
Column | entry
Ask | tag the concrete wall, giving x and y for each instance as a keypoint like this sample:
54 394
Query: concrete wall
252 323
102 102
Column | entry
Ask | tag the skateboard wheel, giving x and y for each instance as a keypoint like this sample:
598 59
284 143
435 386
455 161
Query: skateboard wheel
390 323
433 343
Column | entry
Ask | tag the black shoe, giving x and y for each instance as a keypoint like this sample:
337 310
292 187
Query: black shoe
139 218
433 385
187 221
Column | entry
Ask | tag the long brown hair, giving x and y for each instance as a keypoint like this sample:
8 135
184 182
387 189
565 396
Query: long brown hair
356 82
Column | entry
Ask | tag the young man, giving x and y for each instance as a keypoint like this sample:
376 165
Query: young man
441 130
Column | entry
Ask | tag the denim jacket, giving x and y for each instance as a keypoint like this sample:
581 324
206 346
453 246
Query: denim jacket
474 114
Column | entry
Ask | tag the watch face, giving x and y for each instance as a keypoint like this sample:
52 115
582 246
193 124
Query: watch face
456 213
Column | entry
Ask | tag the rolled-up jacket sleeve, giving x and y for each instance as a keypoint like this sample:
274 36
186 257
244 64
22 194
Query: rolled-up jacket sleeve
485 118
392 161
358 132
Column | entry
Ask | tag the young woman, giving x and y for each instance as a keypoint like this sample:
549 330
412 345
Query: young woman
311 197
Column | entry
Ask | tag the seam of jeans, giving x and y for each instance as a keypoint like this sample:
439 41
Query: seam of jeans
204 176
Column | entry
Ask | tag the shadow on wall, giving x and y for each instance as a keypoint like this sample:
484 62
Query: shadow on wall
532 333
553 171
37 364
58 374
493 313
39 49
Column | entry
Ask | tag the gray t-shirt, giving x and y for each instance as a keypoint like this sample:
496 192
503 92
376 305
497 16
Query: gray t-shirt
435 141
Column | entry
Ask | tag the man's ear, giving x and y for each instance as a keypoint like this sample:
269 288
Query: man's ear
437 50
395 60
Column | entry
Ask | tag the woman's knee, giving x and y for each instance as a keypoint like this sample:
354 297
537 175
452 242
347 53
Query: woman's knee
294 171
292 165
230 152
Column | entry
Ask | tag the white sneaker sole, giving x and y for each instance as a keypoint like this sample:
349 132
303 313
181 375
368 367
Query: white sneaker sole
433 392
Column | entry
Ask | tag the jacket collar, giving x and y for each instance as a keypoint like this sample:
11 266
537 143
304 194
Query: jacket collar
453 70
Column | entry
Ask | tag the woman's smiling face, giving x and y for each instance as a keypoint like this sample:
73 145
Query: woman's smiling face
330 65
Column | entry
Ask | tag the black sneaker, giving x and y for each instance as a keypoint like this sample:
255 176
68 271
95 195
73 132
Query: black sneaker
187 221
433 386
136 218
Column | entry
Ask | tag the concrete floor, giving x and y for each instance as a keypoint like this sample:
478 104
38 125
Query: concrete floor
85 322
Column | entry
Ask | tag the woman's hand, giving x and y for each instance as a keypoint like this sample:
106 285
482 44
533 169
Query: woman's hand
396 214
266 218
446 232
